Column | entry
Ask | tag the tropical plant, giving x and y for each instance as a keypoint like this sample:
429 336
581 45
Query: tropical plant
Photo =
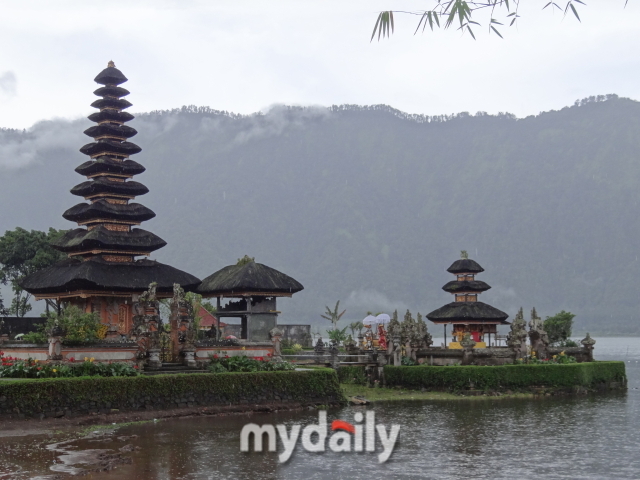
23 252
243 363
332 315
463 14
355 326
77 327
338 336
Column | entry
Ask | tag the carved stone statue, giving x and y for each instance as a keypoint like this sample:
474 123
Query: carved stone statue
517 338
588 343
537 336
55 342
147 325
467 343
276 335
424 337
393 330
397 351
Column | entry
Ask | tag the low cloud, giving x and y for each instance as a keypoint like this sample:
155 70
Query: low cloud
277 118
360 302
8 84
19 149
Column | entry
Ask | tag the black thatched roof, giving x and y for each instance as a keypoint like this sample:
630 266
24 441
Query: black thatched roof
79 239
468 312
104 185
110 76
465 265
109 129
250 277
96 274
111 146
110 116
111 91
116 103
106 164
475 286
133 212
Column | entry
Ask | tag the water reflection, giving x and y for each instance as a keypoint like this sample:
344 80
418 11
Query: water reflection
590 437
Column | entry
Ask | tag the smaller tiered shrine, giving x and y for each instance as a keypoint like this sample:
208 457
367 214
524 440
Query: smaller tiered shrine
256 287
466 314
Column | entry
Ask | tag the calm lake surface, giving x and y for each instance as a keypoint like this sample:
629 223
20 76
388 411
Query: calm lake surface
595 437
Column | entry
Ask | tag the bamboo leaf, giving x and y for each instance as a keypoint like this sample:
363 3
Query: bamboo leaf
375 27
471 32
575 12
497 32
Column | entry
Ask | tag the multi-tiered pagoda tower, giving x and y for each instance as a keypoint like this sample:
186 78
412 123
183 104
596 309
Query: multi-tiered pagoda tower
466 313
102 273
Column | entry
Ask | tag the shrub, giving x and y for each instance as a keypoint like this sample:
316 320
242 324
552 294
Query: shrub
242 363
161 391
35 337
352 375
515 377
78 327
16 368
559 326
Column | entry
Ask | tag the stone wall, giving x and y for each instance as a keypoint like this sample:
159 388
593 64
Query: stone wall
12 326
102 352
297 334
438 356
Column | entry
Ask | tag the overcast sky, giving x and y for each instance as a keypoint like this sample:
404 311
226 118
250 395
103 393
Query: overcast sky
244 56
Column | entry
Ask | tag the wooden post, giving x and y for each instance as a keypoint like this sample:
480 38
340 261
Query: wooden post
218 315
445 335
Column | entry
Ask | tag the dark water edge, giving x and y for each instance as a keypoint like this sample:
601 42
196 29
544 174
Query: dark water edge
595 437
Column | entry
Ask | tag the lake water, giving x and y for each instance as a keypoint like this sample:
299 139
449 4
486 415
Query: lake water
594 437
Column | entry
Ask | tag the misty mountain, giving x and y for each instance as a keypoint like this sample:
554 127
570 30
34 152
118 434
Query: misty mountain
370 205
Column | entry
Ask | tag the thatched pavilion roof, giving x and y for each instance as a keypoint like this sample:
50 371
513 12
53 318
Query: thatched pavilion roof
468 312
248 278
98 275
465 265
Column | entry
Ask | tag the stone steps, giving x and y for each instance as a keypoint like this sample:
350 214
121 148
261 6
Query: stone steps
173 371
168 368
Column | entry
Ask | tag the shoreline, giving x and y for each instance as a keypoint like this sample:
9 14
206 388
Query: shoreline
15 427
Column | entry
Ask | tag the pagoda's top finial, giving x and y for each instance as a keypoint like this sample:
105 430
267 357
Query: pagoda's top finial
111 64
464 254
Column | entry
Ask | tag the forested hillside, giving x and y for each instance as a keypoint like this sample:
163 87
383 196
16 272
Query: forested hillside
370 206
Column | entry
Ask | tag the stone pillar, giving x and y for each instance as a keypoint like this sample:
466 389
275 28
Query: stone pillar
588 343
335 360
397 351
319 351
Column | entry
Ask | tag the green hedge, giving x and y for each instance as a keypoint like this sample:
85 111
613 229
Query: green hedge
86 394
354 375
514 377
